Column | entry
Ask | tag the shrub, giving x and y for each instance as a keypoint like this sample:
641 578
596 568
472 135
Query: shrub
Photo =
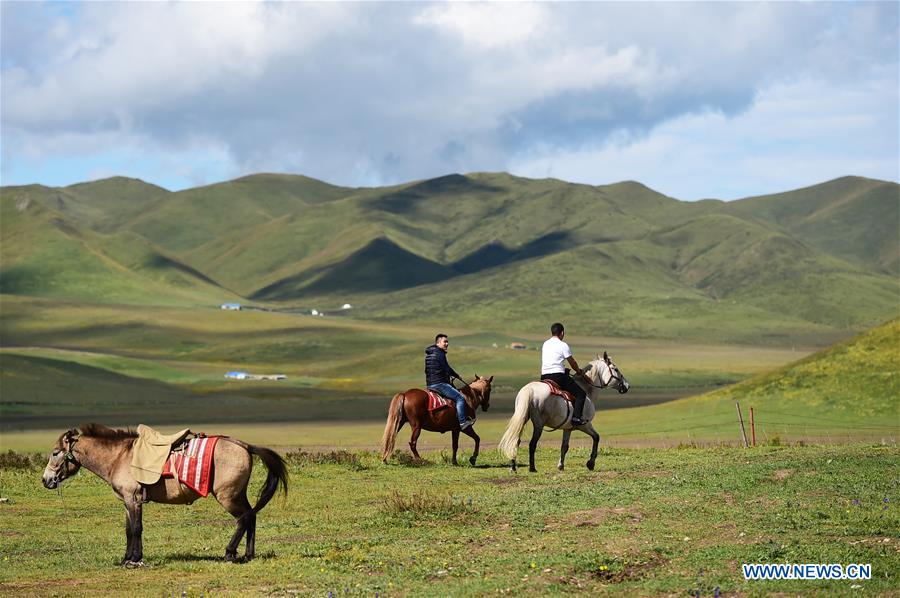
340 457
13 460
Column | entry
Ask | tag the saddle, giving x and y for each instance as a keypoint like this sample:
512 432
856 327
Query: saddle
151 450
436 401
556 390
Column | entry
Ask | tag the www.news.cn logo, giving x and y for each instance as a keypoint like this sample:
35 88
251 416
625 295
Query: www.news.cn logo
806 571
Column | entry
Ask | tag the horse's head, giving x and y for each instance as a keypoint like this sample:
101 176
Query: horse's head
603 372
482 388
62 463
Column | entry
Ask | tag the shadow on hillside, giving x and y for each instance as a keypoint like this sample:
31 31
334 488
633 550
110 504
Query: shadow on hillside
410 199
384 266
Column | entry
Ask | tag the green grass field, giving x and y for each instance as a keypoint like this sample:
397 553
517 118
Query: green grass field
648 522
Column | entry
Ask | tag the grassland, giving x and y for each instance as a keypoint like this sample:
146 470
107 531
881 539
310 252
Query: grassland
648 522
65 362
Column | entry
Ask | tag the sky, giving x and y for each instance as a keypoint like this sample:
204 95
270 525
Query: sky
696 100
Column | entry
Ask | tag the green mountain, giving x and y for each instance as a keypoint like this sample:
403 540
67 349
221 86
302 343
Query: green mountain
485 249
56 253
851 218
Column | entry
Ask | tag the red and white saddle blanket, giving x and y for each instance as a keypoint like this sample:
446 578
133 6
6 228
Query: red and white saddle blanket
436 401
193 465
556 390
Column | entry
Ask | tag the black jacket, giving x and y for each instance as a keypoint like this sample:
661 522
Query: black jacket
437 369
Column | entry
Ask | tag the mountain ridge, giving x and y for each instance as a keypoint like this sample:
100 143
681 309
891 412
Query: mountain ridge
824 255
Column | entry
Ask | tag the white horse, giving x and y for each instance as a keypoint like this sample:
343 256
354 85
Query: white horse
534 402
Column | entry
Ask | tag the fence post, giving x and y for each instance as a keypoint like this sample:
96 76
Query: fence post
741 419
752 428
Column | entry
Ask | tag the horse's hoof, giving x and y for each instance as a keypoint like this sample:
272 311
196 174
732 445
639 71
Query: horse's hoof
532 470
590 465
472 460
561 467
230 557
133 564
455 462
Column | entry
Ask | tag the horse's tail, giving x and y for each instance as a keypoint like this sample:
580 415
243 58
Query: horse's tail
394 421
509 444
278 474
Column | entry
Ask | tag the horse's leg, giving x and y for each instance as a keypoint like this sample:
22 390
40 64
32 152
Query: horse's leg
414 438
250 549
129 536
455 435
470 431
239 508
532 446
564 449
134 527
590 431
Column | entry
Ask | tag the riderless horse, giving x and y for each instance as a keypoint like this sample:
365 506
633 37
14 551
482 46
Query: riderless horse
412 406
108 454
536 403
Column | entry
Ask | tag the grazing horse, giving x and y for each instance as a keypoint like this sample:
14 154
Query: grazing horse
535 402
107 453
412 406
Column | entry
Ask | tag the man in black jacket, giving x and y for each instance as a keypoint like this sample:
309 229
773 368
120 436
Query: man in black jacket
438 374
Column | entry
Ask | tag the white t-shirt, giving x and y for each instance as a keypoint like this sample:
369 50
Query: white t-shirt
553 355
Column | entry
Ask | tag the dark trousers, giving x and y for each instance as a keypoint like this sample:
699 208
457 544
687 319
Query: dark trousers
566 382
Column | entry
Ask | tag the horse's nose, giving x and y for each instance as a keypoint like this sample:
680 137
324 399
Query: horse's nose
49 483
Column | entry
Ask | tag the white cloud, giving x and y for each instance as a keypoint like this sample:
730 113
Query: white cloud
486 25
377 93
795 135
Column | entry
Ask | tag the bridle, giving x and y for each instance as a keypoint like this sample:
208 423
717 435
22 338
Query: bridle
612 376
61 471
478 396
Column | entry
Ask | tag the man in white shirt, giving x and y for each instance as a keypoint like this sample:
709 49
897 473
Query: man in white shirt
554 353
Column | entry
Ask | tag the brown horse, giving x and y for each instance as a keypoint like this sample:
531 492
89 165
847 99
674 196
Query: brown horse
107 453
412 406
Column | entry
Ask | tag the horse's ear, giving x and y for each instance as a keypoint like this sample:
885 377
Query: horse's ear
587 368
491 379
71 434
605 357
477 377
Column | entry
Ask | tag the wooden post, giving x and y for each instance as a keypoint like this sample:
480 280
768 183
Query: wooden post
741 419
752 428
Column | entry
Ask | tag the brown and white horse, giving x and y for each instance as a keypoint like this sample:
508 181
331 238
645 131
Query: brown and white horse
107 453
412 406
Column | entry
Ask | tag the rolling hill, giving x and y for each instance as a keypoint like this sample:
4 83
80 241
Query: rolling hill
484 249
846 391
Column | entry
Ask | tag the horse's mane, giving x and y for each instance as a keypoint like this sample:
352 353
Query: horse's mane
101 432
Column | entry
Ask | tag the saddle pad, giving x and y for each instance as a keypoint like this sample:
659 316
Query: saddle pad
150 451
193 465
436 401
556 390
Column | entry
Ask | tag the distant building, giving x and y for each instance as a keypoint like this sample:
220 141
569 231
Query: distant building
314 312
247 376
346 306
517 346
231 306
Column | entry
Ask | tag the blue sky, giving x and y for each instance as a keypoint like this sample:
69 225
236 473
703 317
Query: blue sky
696 100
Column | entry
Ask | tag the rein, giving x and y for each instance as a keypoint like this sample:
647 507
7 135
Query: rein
612 377
69 457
